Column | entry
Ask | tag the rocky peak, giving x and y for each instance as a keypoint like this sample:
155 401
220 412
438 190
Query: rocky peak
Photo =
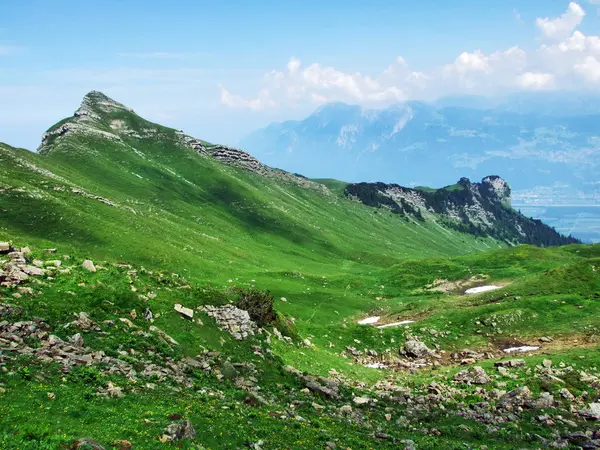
497 187
95 103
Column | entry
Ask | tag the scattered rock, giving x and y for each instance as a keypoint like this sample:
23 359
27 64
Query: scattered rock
544 401
235 321
416 349
473 375
545 339
182 430
592 412
89 265
510 363
185 312
87 444
361 401
122 445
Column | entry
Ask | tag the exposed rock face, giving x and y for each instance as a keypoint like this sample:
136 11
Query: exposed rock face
16 270
477 208
235 321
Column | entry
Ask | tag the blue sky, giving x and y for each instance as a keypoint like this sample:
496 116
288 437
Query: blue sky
220 69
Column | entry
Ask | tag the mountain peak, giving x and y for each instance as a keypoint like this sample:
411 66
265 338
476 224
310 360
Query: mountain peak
96 102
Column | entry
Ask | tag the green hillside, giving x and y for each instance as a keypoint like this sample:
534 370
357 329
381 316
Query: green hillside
170 220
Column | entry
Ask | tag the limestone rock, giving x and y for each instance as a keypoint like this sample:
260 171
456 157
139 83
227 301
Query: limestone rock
182 430
185 312
89 265
416 349
4 247
87 444
473 375
510 363
592 412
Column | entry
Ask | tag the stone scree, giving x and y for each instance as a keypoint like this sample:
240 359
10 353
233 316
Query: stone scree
235 321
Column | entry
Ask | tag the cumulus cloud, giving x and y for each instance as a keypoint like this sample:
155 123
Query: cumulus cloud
563 26
568 59
589 69
536 80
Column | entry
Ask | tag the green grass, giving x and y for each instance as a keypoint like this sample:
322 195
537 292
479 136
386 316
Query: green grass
184 219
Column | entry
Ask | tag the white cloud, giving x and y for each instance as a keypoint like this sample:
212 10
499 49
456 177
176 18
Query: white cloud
562 26
536 80
518 17
589 69
262 101
293 65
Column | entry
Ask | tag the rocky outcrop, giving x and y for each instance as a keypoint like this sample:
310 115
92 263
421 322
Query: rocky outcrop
482 209
235 321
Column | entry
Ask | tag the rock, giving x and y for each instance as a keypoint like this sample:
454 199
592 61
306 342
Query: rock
510 363
307 343
122 445
346 409
26 251
545 401
162 334
592 412
114 391
547 363
185 312
50 251
34 271
87 444
77 340
182 430
148 315
545 339
408 444
88 265
5 247
518 397
473 375
361 400
416 349
235 321
566 394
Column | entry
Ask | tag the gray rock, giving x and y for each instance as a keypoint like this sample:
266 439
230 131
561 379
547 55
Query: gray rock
545 401
77 340
592 412
87 444
4 247
510 363
518 397
473 375
182 430
416 349
185 312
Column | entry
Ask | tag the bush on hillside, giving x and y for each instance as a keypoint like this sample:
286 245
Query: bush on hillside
259 305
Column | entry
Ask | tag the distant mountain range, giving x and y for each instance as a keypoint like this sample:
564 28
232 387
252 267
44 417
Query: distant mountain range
546 146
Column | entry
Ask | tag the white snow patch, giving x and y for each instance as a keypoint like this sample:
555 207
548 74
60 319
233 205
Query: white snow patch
477 290
369 320
524 348
396 324
377 366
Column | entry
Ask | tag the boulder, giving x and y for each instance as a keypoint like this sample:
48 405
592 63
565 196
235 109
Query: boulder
473 375
545 401
510 363
181 430
518 397
89 265
592 412
416 349
5 247
185 312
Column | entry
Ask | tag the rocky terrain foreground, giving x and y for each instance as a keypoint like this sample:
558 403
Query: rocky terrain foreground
158 291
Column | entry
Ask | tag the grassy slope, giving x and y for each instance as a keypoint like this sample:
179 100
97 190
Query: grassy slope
333 259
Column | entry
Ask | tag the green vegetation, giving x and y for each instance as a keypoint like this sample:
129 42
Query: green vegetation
166 225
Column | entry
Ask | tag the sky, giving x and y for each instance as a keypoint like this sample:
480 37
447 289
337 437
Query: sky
219 70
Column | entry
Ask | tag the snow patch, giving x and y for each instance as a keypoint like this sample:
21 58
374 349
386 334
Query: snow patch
523 348
479 289
395 324
369 320
377 366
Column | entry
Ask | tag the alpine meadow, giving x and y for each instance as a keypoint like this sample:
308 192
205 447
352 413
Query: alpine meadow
160 291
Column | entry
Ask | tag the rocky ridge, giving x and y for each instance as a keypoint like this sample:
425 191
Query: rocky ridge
477 208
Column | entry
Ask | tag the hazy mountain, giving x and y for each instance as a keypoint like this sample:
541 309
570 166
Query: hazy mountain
547 157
